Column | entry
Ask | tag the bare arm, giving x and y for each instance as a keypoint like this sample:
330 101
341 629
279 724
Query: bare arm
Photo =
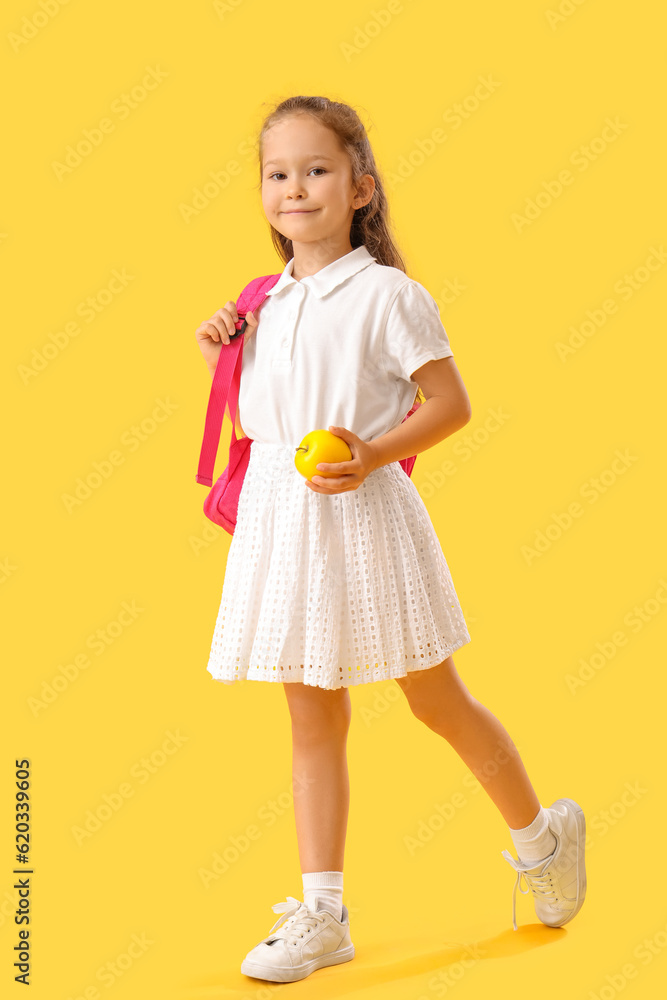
446 410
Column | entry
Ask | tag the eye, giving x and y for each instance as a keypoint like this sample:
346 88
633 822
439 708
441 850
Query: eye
279 173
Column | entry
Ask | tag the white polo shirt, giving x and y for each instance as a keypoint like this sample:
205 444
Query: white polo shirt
338 347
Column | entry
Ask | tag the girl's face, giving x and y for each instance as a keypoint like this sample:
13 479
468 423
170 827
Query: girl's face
307 191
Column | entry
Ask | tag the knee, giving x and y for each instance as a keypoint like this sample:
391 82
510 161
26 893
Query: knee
446 718
439 698
426 713
320 717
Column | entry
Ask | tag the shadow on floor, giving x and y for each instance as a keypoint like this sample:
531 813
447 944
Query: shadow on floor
375 964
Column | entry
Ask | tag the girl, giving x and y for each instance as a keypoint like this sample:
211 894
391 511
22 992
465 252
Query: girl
341 580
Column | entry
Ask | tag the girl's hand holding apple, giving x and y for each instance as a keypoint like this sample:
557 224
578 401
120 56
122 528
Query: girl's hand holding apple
340 476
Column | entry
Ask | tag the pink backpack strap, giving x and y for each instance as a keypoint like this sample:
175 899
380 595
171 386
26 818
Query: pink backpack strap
254 293
227 378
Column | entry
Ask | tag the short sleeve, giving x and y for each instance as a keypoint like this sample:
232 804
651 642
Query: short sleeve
413 333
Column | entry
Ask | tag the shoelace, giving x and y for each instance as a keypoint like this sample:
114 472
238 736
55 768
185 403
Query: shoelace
300 919
538 884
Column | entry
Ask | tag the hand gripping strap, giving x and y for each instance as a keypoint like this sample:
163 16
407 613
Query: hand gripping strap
227 379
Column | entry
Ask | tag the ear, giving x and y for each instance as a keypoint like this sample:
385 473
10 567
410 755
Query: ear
365 190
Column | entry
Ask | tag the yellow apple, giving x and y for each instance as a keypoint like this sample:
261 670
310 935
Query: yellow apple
320 446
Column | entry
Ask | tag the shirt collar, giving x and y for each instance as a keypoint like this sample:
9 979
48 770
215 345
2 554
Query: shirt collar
327 278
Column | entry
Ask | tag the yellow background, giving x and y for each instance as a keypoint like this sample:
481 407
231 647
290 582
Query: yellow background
137 537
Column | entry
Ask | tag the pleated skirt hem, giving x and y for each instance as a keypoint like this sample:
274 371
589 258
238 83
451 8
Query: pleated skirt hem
332 590
354 677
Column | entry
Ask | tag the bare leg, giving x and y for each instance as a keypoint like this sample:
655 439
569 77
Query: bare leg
441 700
320 724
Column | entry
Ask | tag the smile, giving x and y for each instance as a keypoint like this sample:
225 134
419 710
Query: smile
300 211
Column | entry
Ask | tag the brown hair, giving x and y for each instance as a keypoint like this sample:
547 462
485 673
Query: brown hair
371 225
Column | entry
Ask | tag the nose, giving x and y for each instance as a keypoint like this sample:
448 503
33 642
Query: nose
295 188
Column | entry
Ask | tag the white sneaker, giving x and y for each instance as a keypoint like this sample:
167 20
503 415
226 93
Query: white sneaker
308 940
558 883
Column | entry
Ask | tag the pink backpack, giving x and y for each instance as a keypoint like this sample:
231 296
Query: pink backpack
221 504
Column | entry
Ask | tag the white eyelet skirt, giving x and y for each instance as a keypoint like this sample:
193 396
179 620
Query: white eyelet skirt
332 589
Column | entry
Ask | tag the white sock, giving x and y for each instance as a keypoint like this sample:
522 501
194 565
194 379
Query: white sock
534 842
327 887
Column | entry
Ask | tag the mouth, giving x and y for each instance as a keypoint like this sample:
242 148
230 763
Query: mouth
301 211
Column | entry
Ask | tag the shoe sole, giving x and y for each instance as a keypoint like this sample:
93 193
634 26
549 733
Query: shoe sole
581 864
293 975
